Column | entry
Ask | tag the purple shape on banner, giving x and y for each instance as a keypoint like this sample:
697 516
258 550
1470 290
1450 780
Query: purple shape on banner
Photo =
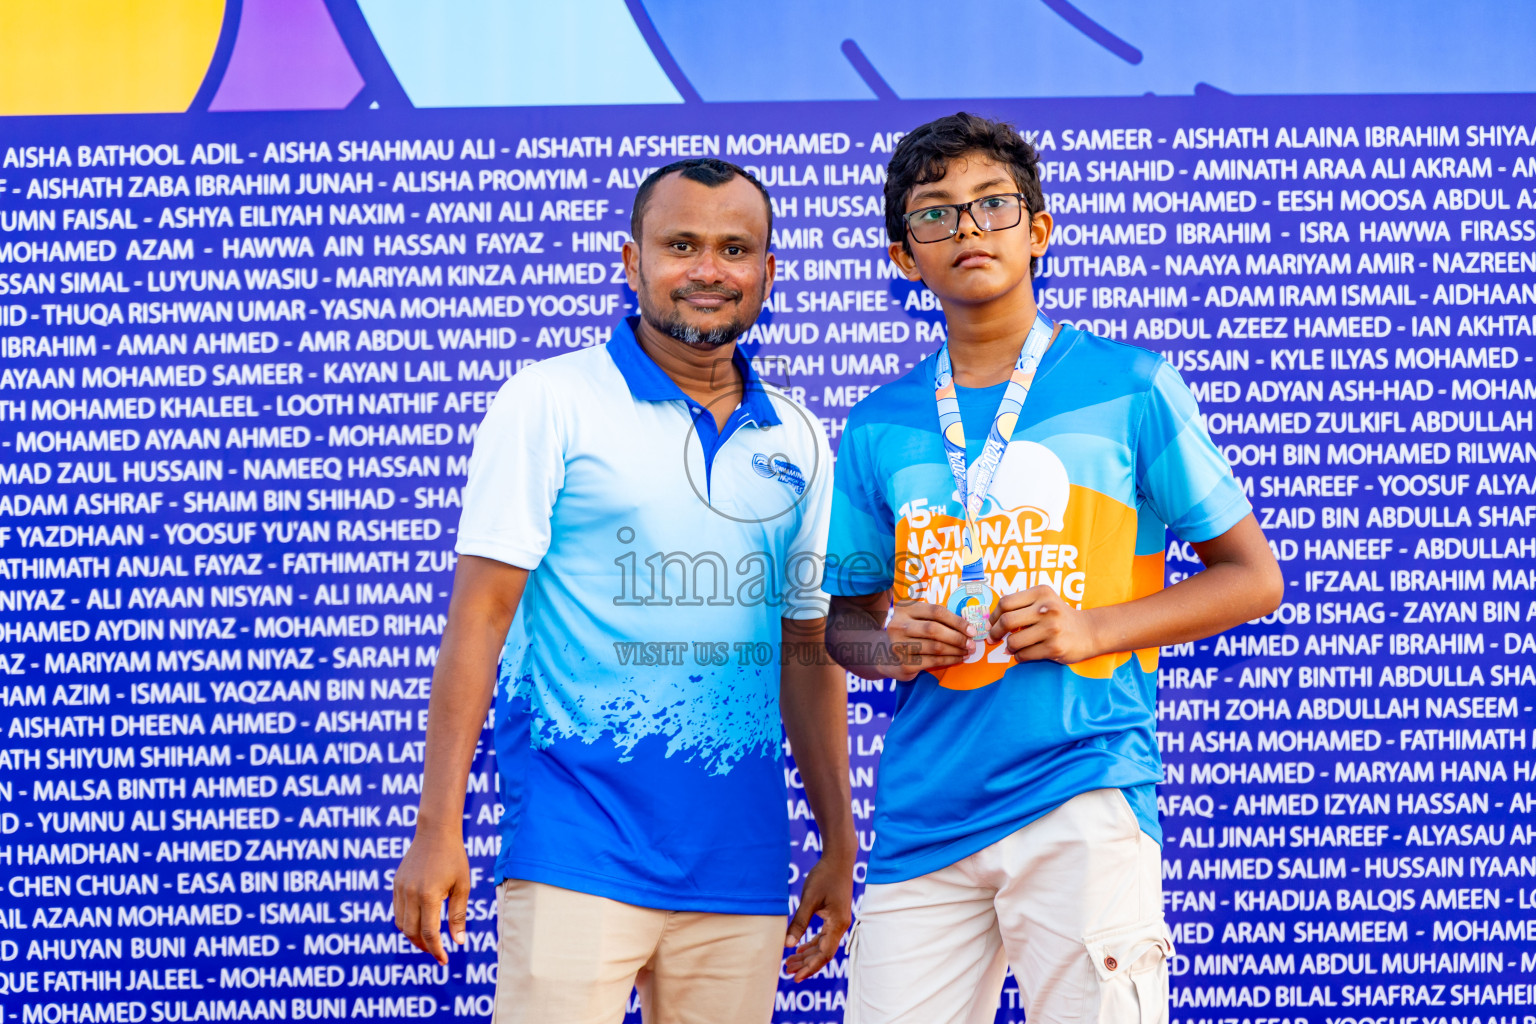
288 56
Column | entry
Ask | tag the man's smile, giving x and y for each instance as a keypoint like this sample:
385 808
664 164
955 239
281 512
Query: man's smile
706 299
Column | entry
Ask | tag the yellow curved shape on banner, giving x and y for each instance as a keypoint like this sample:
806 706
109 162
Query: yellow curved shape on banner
104 56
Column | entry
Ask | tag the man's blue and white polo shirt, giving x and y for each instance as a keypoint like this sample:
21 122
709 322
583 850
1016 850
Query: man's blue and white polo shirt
637 730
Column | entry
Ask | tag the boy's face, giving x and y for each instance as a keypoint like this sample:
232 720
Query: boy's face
972 266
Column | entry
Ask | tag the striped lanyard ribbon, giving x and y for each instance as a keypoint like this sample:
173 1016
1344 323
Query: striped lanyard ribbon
953 432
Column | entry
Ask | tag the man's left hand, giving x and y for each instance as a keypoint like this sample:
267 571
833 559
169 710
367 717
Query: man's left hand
828 891
1040 626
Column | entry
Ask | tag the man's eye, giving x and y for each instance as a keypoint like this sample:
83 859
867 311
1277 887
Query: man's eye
994 202
734 250
931 215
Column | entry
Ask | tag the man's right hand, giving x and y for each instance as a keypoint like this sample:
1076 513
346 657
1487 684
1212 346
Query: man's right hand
432 870
923 637
436 867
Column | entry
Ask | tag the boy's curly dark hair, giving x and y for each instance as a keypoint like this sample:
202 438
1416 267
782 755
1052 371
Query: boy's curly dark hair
924 154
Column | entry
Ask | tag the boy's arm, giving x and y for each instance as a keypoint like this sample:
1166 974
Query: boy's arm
436 867
813 701
1241 582
865 634
919 638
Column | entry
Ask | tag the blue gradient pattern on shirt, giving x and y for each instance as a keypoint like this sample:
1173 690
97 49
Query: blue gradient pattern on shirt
647 774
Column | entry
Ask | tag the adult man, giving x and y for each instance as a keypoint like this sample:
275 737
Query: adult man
1000 513
636 513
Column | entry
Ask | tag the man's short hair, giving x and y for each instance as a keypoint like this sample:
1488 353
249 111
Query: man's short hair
923 155
706 170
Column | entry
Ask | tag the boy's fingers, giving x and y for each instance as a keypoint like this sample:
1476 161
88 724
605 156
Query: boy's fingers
936 613
1023 638
1005 604
925 650
929 629
1012 621
945 644
1040 642
1021 599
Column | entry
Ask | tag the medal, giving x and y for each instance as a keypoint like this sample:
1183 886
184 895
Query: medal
973 602
973 599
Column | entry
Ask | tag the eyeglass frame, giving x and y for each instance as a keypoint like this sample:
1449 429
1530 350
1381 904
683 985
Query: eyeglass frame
961 209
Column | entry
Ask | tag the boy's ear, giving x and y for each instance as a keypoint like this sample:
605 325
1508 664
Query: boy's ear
902 257
1040 234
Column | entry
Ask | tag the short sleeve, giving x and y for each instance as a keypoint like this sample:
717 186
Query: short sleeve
515 474
861 543
806 554
1180 473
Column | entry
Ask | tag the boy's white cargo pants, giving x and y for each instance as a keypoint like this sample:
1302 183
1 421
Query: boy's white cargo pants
1073 901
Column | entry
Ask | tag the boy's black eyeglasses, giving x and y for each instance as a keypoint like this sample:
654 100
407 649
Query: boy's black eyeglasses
991 213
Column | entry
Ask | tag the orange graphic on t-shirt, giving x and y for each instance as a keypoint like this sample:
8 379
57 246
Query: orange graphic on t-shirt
1087 555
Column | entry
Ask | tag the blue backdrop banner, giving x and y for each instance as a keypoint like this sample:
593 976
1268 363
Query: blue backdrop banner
244 349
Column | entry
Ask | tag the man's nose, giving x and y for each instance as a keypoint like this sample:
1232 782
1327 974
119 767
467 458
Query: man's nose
707 266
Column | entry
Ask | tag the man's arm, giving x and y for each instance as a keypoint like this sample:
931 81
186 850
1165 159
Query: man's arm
436 867
813 701
920 637
1241 582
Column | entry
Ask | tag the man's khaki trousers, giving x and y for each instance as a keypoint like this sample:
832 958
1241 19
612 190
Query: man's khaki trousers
571 958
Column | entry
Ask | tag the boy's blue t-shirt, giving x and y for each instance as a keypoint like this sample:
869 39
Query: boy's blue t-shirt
1108 454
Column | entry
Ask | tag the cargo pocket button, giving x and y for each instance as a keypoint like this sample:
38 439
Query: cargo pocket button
1110 963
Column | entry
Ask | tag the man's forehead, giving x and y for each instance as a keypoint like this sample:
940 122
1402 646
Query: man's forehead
681 204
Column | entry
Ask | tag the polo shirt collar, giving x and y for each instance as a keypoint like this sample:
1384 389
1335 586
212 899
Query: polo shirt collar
648 383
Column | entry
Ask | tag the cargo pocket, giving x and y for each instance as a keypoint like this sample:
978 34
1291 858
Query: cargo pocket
1132 968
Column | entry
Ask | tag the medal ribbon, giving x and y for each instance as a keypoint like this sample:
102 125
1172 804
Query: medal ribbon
953 432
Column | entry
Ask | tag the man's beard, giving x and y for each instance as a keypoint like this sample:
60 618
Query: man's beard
674 326
694 337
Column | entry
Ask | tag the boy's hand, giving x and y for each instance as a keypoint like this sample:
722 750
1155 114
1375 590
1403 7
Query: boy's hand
1040 626
924 637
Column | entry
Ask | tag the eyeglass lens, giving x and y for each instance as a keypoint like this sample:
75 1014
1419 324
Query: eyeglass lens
992 213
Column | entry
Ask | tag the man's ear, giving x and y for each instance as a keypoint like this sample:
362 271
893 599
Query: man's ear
631 256
901 255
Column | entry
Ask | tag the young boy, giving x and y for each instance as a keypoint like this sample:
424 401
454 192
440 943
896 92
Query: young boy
1005 562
